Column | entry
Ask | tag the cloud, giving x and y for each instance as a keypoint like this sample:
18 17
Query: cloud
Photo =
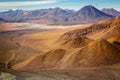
27 3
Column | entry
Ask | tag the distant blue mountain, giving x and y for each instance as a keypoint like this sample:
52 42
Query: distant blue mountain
90 14
56 15
111 11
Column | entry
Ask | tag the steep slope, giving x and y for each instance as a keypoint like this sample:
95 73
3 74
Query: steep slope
97 31
111 11
98 53
91 12
42 61
112 31
75 42
94 29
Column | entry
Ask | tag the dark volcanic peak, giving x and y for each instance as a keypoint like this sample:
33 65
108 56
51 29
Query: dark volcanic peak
91 12
111 11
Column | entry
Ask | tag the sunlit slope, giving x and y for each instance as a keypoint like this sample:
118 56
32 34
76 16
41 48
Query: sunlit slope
75 42
42 61
98 53
97 31
74 49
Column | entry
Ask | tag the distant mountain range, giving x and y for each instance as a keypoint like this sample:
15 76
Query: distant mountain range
111 11
88 14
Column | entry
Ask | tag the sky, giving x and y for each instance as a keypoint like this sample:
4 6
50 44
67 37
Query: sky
65 4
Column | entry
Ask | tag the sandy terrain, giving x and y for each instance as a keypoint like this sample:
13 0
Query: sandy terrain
25 46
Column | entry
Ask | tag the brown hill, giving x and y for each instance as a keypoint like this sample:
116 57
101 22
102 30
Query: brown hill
113 31
97 31
76 42
107 34
47 60
97 53
93 29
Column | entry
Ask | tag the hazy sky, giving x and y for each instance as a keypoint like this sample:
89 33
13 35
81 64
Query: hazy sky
69 4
